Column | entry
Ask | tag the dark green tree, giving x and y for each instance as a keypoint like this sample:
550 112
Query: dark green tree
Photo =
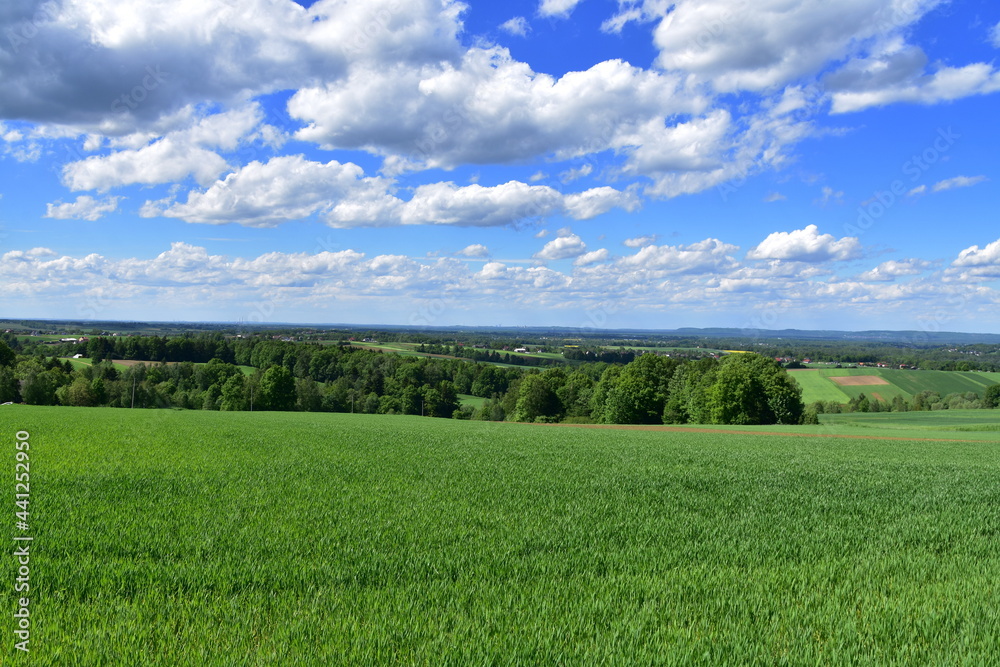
752 389
536 400
277 389
991 398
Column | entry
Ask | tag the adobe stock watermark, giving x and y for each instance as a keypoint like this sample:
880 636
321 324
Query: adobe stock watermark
262 311
22 541
376 24
764 320
599 315
130 101
430 312
94 304
934 321
916 166
23 32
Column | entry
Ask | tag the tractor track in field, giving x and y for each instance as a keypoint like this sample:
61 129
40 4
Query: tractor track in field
700 429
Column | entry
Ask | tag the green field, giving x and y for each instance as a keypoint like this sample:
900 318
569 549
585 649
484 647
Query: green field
939 423
207 538
471 401
817 386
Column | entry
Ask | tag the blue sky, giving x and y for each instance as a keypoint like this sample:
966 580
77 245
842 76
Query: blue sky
654 164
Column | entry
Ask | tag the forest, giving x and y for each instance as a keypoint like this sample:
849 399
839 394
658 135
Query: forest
217 372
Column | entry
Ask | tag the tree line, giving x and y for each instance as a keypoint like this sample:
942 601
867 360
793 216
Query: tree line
265 374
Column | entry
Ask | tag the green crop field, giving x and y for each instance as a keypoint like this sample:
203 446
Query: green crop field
817 385
207 538
957 422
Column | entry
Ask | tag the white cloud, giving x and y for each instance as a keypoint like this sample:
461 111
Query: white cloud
945 84
958 182
995 36
774 196
162 162
806 245
84 208
151 58
710 255
487 108
174 157
576 173
516 26
561 8
291 188
598 201
266 194
830 196
474 250
592 257
702 278
919 190
985 259
640 241
889 271
479 206
562 247
739 46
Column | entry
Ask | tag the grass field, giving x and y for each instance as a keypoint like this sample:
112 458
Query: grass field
817 386
957 422
206 538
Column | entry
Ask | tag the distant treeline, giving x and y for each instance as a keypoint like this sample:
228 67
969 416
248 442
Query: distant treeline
204 372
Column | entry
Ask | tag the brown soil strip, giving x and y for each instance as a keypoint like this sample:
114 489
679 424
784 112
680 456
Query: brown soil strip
858 380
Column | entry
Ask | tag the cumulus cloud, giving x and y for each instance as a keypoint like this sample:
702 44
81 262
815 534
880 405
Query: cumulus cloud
710 255
561 8
640 241
84 208
592 257
806 245
597 201
516 26
995 36
486 108
266 194
474 250
735 46
889 271
292 187
976 257
562 247
159 57
174 157
944 85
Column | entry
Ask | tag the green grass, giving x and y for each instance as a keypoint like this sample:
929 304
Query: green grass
942 421
817 386
471 401
201 538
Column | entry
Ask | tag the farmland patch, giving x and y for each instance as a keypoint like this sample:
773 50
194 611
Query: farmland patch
859 380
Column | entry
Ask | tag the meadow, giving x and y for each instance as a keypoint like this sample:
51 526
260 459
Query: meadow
205 538
817 384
